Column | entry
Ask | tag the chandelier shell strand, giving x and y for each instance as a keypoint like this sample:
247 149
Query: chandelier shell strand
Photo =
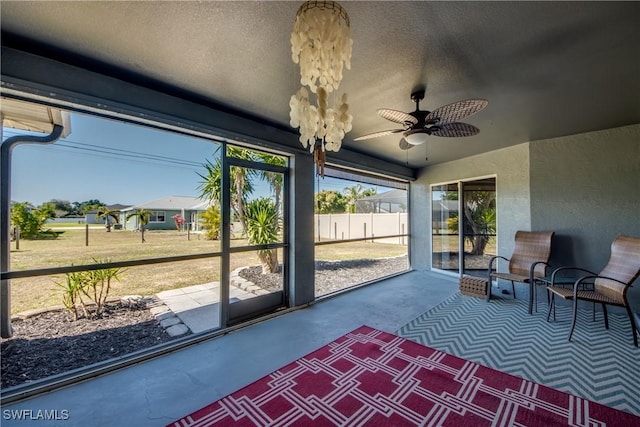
321 45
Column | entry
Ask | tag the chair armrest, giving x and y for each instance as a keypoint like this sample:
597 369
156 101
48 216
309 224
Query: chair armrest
596 276
555 272
490 269
492 259
533 266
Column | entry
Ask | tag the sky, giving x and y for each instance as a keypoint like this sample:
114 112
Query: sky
114 162
111 161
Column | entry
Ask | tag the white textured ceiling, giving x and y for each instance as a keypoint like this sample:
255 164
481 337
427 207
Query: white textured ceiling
547 68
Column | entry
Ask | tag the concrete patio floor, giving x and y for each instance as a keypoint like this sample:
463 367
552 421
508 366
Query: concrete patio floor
162 390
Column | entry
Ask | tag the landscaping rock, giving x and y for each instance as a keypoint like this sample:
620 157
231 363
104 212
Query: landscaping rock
169 321
176 330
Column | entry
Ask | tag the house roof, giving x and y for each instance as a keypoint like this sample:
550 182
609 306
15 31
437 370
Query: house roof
170 203
114 207
548 69
391 196
117 206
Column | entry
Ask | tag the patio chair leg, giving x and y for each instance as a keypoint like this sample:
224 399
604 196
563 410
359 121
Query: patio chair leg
575 315
488 298
634 329
550 302
606 317
513 289
594 311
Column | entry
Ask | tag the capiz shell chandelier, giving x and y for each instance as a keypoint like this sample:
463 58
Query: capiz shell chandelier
321 45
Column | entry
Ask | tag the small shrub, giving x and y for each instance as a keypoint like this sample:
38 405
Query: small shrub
72 293
263 227
211 222
98 285
93 285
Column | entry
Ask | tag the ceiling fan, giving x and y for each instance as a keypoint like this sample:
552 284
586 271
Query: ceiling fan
419 124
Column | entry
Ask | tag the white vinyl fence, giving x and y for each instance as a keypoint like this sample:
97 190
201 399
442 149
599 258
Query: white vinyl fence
362 225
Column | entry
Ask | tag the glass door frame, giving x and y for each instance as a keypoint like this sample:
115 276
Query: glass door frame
460 188
431 246
240 311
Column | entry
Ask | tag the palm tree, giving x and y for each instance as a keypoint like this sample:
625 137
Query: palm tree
211 185
355 192
106 213
480 219
276 182
274 179
142 216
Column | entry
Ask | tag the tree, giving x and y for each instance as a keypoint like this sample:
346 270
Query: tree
106 213
274 179
211 222
263 228
81 208
61 208
241 187
355 192
142 216
480 219
276 182
45 212
30 221
330 201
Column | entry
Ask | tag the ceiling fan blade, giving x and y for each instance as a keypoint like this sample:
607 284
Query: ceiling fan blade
378 134
457 111
397 116
455 129
404 145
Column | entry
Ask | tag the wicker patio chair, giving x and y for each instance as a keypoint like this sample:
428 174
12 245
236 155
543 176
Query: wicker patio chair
529 260
607 288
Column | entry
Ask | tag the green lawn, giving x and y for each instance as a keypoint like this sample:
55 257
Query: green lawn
70 249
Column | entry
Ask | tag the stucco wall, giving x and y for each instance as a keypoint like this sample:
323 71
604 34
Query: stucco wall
511 168
585 187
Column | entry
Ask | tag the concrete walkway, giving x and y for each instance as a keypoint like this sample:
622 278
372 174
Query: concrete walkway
198 306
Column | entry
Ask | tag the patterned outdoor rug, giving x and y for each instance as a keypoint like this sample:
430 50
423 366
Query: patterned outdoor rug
597 364
373 378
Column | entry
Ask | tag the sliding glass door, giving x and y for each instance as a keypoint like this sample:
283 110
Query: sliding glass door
445 249
478 225
463 226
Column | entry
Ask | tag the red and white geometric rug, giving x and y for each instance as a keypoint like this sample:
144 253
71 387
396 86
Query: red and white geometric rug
373 378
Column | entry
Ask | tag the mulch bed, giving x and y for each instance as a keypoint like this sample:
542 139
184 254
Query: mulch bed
332 276
51 343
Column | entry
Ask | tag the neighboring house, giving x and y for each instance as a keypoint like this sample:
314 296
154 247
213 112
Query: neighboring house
391 201
91 216
163 211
